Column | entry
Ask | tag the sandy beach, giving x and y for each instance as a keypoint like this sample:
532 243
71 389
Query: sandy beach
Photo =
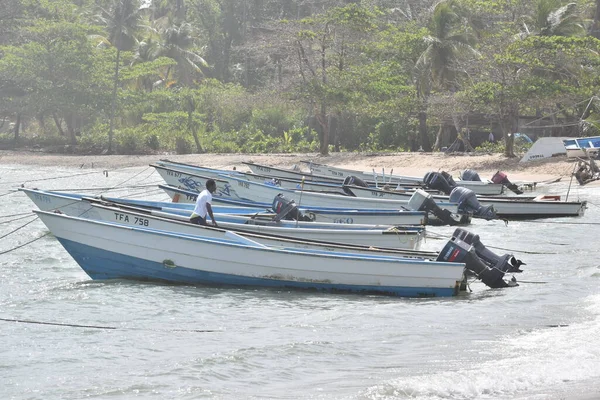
413 164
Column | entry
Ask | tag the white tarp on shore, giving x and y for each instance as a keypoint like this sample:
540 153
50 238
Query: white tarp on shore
545 147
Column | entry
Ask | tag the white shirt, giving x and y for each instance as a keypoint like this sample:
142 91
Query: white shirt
203 198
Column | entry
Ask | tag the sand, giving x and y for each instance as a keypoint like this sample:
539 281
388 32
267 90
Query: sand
413 164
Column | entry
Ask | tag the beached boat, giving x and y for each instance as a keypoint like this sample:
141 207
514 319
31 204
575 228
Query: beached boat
582 147
399 237
113 251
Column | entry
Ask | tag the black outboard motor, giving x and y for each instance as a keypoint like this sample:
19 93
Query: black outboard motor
437 181
458 251
448 178
500 177
352 180
423 201
470 175
505 263
286 209
468 203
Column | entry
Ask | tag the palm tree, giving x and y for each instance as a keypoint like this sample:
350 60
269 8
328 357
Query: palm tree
553 18
122 21
145 51
436 68
177 40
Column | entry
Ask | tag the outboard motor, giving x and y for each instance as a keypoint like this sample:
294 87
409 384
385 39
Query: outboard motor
286 209
458 251
423 201
500 177
470 175
505 263
437 181
448 178
352 180
468 203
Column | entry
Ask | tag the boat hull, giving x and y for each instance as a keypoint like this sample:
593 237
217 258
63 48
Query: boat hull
110 251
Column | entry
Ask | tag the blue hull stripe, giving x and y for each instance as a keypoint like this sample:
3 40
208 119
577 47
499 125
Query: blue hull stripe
103 264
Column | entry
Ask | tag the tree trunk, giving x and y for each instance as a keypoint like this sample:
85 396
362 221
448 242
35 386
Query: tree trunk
114 103
17 129
58 124
41 122
595 28
70 129
194 131
509 134
423 133
438 139
324 148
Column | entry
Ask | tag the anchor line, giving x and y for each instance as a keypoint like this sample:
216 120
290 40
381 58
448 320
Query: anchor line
17 219
14 230
54 177
25 244
15 215
436 236
105 188
131 177
24 321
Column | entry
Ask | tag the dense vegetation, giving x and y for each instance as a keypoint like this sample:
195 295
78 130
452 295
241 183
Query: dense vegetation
293 75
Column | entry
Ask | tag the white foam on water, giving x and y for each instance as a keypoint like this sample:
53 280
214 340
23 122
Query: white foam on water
543 363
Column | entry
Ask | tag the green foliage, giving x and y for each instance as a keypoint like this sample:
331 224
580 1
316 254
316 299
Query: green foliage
231 76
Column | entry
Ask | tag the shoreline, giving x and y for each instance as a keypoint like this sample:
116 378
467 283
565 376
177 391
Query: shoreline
413 164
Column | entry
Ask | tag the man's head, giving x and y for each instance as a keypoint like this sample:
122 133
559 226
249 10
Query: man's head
211 185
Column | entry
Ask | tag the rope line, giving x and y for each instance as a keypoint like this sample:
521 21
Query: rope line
55 177
105 188
14 215
24 244
131 177
25 321
17 219
22 226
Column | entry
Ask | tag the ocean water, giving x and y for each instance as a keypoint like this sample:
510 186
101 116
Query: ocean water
79 338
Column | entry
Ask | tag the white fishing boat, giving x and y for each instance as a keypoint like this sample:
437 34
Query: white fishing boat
113 251
487 188
542 206
269 235
370 235
318 214
264 193
582 147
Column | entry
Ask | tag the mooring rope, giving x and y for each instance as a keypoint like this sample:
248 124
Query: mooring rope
22 226
131 177
25 321
15 215
436 236
25 244
17 219
51 178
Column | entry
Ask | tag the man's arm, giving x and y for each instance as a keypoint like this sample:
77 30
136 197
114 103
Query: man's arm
210 212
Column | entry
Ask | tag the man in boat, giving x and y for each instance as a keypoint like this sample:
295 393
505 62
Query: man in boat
203 205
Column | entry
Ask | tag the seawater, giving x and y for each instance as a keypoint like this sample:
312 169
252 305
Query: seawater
540 340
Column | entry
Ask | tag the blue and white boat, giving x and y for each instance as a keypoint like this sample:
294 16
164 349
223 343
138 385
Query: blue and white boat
582 147
114 251
378 236
323 214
